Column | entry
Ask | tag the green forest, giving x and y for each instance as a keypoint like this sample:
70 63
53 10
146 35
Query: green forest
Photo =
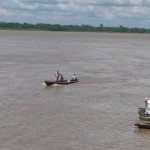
70 28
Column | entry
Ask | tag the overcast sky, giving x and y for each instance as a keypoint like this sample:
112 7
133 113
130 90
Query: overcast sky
129 13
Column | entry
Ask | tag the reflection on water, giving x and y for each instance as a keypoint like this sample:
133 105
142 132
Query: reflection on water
96 113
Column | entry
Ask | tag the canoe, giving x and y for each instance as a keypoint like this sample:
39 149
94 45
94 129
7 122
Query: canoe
49 83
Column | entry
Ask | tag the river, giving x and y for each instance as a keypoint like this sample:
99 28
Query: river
97 113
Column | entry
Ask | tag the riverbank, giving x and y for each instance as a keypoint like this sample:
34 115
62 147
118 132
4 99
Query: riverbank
70 28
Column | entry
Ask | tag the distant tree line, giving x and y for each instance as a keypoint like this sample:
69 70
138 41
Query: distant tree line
76 28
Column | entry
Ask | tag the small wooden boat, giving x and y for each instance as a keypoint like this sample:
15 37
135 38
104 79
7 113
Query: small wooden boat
49 83
142 124
144 113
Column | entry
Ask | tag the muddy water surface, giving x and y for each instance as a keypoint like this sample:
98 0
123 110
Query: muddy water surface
97 113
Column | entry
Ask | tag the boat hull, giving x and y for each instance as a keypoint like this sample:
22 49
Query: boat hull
49 83
143 124
144 116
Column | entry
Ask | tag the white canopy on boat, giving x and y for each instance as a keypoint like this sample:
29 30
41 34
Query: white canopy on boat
147 105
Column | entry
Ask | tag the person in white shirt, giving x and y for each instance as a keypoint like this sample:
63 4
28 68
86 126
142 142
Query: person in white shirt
74 77
57 74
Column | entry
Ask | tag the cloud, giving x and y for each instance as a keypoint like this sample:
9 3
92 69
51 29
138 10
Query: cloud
4 12
92 12
26 5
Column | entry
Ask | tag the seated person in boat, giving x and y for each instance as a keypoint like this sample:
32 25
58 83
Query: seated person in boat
61 78
74 78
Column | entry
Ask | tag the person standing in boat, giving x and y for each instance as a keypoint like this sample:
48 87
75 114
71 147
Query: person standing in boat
57 75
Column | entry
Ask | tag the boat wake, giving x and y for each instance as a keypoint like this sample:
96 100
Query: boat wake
56 85
43 83
53 85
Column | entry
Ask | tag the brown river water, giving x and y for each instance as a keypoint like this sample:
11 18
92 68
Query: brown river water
97 113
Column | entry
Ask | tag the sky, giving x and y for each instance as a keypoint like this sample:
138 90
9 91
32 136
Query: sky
110 13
